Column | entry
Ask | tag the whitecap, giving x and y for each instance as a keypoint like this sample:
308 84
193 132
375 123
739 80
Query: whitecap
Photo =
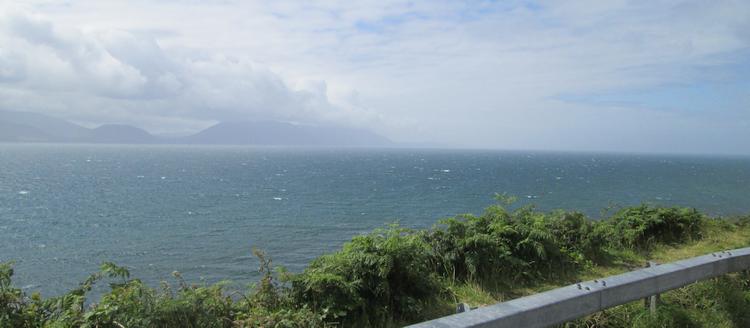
163 178
445 171
23 192
277 198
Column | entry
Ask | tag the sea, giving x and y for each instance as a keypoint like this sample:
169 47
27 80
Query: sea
200 210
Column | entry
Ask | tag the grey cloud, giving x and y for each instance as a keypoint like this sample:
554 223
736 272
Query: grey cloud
12 67
35 31
92 65
133 78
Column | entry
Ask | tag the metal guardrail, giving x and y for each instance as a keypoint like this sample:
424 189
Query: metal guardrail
571 302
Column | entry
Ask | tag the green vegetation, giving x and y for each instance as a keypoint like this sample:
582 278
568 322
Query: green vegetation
396 275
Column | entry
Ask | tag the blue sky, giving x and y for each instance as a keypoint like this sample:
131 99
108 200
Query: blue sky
707 91
633 76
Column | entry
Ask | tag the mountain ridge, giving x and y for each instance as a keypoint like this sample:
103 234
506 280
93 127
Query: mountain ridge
35 127
274 133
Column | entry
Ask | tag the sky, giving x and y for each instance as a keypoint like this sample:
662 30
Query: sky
625 76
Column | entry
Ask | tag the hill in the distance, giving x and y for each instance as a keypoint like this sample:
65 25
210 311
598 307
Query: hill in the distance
118 133
11 132
33 127
281 133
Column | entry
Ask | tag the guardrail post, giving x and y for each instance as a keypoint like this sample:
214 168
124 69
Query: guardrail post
652 300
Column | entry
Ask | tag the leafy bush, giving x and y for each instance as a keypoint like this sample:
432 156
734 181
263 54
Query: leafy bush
12 303
515 247
376 278
643 226
130 303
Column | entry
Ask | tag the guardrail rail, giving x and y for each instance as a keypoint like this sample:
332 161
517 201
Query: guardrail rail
571 302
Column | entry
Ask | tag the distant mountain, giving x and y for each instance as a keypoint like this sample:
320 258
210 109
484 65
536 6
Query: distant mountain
43 128
32 127
11 132
117 133
274 133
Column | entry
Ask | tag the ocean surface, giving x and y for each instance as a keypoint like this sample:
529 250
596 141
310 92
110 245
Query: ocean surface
64 209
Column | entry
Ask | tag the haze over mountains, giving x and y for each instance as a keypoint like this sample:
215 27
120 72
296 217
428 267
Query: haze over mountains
33 127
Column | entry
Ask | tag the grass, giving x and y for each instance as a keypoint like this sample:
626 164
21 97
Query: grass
718 237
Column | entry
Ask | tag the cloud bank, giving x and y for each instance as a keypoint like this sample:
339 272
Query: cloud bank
568 75
122 76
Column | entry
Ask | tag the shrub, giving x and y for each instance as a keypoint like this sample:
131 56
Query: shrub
383 276
514 247
130 303
643 226
12 304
